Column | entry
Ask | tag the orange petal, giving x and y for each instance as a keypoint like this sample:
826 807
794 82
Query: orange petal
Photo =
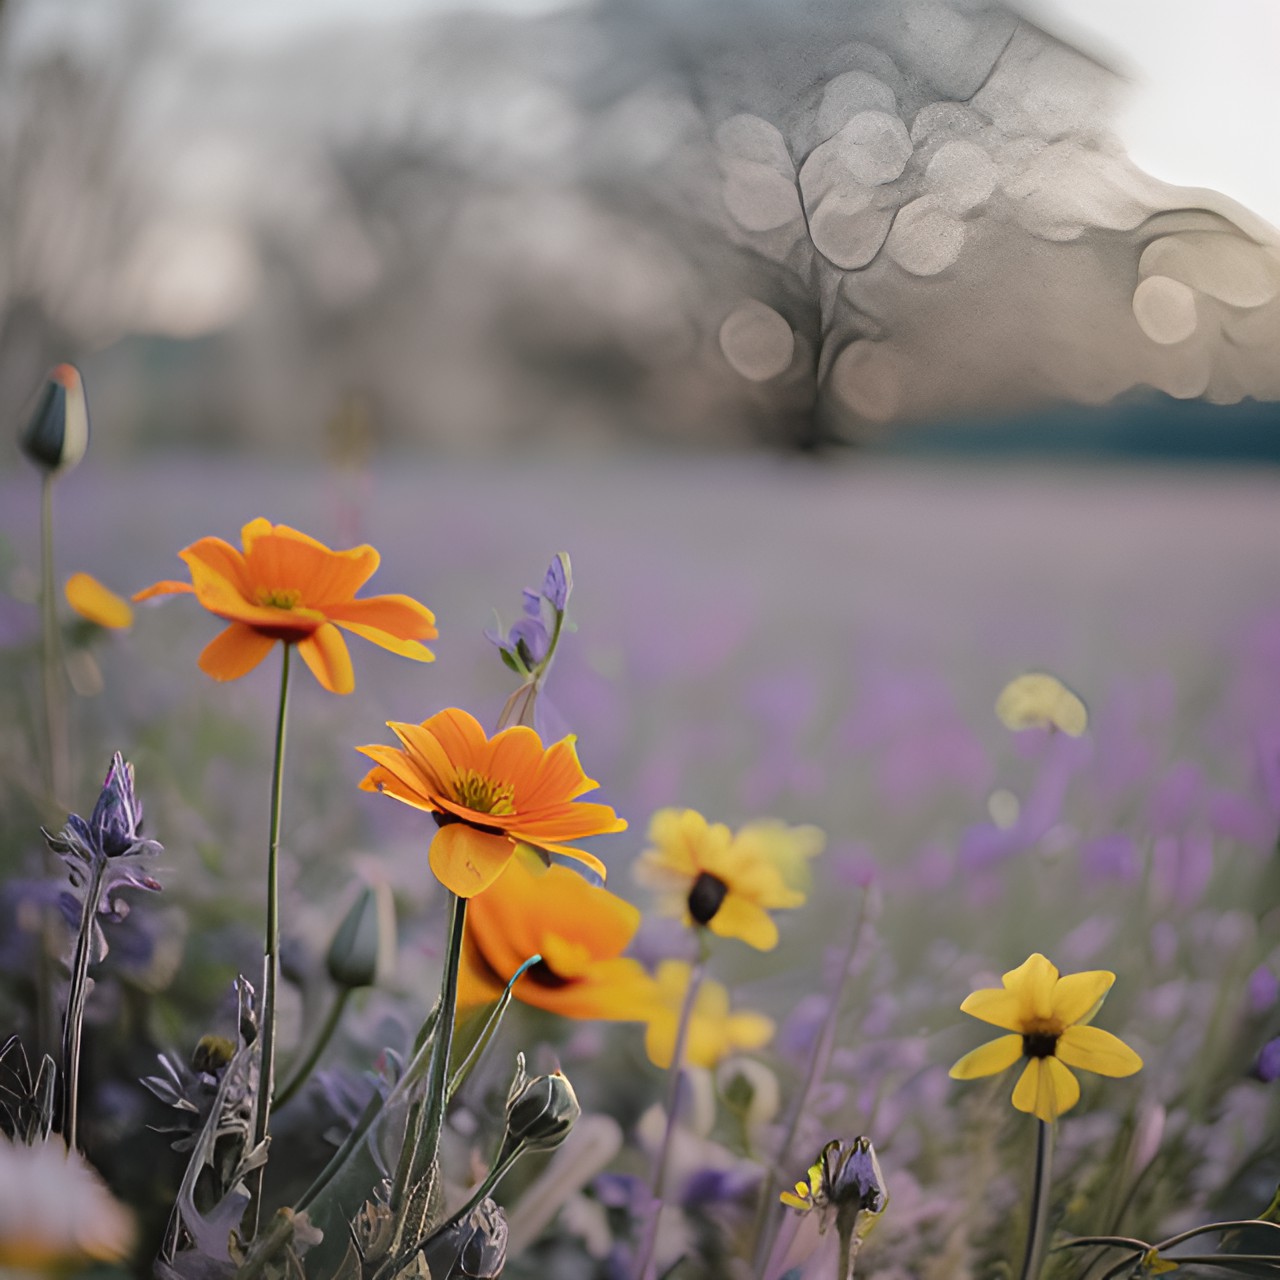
234 652
566 822
514 755
383 780
558 776
422 750
398 616
325 652
90 599
467 861
384 640
221 558
166 588
460 736
279 557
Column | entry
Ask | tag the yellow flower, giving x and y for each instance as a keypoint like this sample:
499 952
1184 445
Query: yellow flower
488 795
714 1032
55 1212
1048 1016
1040 700
91 600
579 930
727 883
287 586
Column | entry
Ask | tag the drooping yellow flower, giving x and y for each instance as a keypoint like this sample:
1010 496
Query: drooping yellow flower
714 1032
288 587
1041 700
56 1213
488 794
725 882
100 605
580 930
1048 1016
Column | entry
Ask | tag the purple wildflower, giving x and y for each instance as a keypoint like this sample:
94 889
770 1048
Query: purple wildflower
1267 1067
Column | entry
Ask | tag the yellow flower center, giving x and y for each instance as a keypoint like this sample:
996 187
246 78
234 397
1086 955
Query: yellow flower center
483 795
279 597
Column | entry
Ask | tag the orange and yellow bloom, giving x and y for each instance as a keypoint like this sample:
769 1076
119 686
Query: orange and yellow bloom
725 882
579 930
488 795
1048 1017
288 587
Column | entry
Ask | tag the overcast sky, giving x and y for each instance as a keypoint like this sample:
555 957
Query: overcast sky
1205 106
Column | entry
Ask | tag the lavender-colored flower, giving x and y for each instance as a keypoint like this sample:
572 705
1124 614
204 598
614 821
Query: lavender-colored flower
558 582
105 850
1267 1067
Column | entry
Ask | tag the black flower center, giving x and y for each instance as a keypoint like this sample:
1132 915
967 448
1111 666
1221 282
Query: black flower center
1039 1044
443 819
705 897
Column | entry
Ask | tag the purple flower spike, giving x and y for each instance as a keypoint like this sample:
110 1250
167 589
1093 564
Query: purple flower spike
117 815
558 582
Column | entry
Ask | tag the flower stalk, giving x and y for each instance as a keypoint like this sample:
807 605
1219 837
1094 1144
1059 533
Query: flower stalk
271 949
1038 1217
645 1267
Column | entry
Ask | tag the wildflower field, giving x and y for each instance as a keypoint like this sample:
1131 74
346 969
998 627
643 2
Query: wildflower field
748 901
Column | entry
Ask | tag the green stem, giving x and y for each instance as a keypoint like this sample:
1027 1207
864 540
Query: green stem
56 766
1039 1203
422 1146
56 763
298 1076
490 1027
767 1218
73 1021
675 1079
271 949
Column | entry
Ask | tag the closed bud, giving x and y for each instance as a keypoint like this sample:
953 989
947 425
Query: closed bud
540 1112
364 945
57 433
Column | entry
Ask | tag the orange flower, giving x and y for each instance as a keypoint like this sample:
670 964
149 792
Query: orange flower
578 929
487 794
286 586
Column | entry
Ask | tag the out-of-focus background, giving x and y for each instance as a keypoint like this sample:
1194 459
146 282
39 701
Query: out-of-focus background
545 224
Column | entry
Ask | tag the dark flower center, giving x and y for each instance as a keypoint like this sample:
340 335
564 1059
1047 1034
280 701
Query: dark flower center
705 897
1039 1044
542 975
443 819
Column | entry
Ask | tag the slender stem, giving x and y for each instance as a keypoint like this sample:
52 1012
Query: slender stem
271 949
645 1268
73 1021
56 764
491 1180
489 1028
1039 1203
767 1218
298 1076
418 1158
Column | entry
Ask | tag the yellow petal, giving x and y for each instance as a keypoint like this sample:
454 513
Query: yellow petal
1077 996
1033 982
1092 1049
325 653
738 918
1046 1089
90 599
997 1006
988 1059
1038 699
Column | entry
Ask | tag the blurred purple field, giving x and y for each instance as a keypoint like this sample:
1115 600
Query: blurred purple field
822 644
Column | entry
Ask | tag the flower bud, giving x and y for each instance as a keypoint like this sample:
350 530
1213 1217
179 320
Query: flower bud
57 434
117 816
364 945
540 1112
473 1249
558 582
